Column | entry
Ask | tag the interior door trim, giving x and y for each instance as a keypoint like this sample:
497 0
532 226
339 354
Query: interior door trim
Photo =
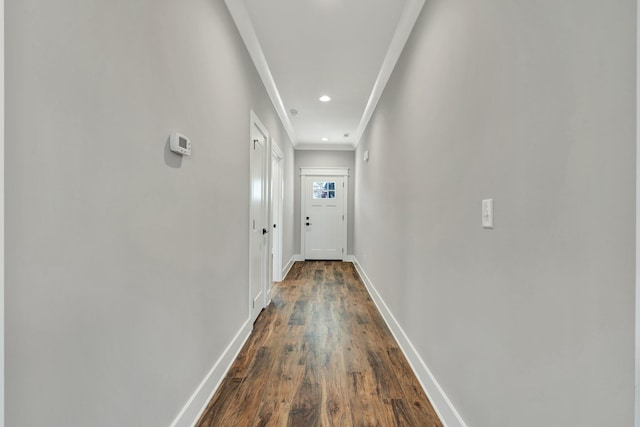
2 246
324 172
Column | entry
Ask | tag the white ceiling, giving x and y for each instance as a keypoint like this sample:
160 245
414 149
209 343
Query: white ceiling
342 48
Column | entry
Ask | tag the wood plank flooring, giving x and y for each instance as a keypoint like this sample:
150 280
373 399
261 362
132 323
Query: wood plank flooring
320 355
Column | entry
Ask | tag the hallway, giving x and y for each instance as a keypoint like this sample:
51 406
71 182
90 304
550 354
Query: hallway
490 153
320 355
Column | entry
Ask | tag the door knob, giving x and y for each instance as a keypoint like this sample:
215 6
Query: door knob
264 231
308 223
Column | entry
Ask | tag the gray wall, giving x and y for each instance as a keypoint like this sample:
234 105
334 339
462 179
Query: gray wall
126 267
320 159
532 104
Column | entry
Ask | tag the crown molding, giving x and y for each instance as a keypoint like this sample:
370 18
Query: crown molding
406 23
243 22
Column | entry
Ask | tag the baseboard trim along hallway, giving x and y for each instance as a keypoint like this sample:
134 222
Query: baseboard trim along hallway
194 407
441 403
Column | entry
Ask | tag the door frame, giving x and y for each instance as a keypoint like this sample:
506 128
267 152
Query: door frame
266 161
277 215
336 172
2 245
637 262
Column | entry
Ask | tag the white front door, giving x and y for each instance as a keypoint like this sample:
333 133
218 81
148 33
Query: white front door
323 219
258 225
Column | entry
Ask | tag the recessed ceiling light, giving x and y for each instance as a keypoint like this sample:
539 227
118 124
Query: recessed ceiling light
325 139
293 112
324 98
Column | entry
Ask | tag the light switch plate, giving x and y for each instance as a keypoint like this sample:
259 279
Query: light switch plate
487 213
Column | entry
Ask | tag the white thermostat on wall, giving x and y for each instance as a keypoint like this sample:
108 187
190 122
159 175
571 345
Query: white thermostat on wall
180 144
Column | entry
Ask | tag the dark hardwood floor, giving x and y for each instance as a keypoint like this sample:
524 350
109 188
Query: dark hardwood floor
320 355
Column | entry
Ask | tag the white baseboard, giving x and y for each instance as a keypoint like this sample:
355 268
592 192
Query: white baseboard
349 258
198 402
298 257
441 403
287 268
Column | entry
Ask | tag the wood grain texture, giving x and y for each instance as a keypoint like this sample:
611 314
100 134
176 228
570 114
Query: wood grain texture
320 355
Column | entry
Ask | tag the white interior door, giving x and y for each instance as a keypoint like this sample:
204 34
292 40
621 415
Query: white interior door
277 192
323 219
258 227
